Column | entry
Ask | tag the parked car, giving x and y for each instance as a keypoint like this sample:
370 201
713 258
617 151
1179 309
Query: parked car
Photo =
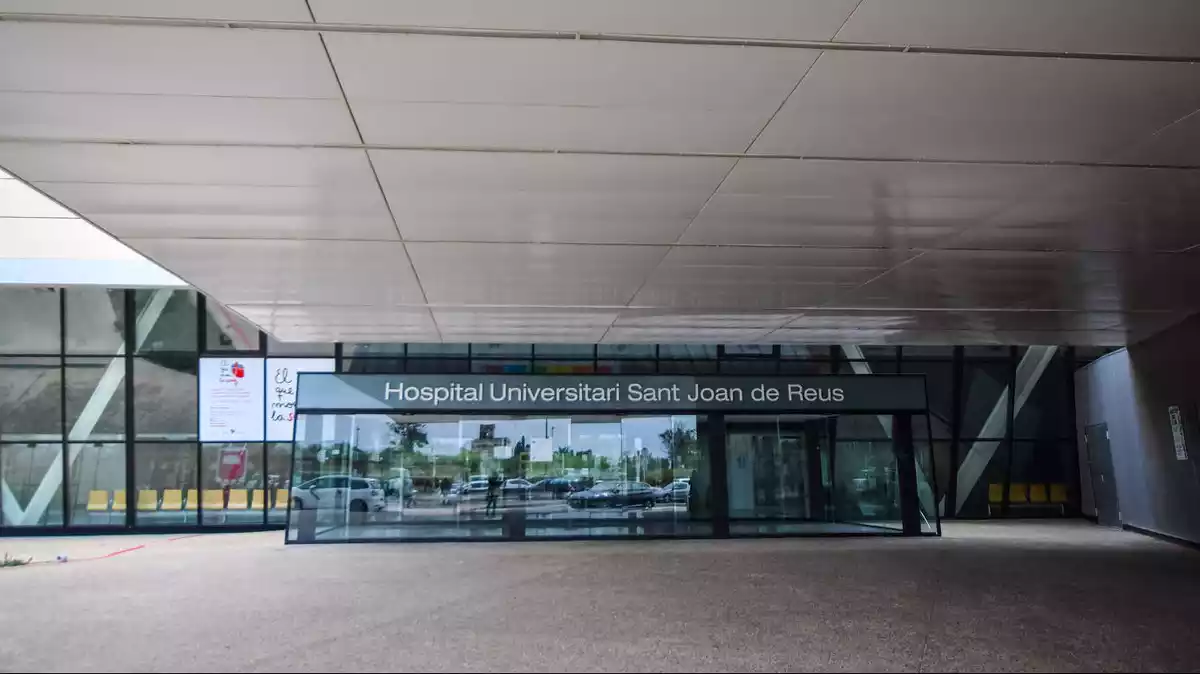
675 492
357 494
461 492
614 495
559 487
518 488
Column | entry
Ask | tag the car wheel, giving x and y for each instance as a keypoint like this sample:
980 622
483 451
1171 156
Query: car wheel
358 506
297 504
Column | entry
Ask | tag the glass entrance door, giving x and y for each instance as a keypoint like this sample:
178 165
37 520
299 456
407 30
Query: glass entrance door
811 474
777 469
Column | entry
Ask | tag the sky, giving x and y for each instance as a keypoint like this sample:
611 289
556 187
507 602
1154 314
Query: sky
44 244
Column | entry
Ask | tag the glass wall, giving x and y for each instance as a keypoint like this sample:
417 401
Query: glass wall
405 477
103 382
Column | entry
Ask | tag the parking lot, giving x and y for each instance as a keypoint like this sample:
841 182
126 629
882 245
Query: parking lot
985 597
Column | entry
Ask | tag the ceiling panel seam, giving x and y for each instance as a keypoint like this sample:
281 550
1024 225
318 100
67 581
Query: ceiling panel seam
529 34
654 270
375 174
36 140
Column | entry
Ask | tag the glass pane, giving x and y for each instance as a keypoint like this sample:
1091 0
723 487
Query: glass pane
95 398
233 486
806 351
865 426
97 476
626 351
500 366
986 351
164 398
413 477
1046 413
437 365
926 496
687 366
1041 475
435 350
95 320
564 367
32 473
501 350
985 402
369 350
804 367
939 389
278 348
226 330
798 473
762 350
692 351
867 488
876 366
30 399
626 366
37 331
166 320
373 365
985 497
581 351
279 464
165 478
875 353
925 351
749 367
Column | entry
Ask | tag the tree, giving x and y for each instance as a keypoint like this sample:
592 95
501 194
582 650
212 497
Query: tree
680 442
407 437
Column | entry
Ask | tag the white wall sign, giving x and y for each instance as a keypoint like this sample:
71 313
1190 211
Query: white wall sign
231 399
1177 433
281 392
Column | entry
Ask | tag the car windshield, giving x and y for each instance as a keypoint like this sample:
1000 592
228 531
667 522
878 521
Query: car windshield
605 486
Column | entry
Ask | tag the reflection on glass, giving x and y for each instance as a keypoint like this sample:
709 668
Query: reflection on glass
166 320
95 320
801 473
278 470
233 488
38 330
164 476
408 477
31 473
30 399
164 396
97 474
95 398
227 331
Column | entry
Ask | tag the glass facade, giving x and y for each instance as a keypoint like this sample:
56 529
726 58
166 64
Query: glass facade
98 394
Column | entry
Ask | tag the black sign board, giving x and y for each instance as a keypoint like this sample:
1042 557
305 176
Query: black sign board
465 393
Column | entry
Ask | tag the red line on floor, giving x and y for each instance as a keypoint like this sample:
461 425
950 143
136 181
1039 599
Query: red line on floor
183 538
121 552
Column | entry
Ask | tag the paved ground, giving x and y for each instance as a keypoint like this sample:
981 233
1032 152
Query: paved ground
985 597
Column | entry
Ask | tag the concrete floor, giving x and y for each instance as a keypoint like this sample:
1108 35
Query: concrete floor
993 597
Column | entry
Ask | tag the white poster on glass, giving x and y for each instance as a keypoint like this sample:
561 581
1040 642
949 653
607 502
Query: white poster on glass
231 399
542 449
281 392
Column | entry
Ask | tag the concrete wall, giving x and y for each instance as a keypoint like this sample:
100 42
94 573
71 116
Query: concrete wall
1130 390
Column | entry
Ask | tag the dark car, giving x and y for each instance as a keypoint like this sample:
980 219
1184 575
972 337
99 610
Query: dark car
558 487
614 495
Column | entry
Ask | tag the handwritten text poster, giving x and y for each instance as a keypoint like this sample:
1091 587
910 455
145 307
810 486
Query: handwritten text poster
281 392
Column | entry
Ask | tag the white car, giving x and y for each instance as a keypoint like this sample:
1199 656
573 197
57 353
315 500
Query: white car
339 492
